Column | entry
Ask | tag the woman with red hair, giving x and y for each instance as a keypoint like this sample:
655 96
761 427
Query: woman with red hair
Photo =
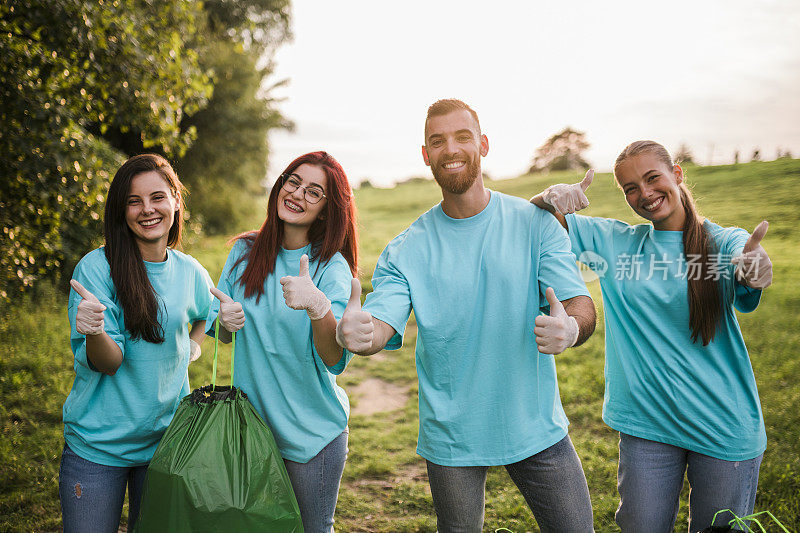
303 258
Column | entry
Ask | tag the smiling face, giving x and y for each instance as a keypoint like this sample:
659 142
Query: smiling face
150 209
652 190
293 207
453 149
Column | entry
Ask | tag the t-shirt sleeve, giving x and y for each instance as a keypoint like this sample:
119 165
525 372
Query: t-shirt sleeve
226 284
94 274
201 304
594 240
745 299
584 233
390 299
557 266
335 283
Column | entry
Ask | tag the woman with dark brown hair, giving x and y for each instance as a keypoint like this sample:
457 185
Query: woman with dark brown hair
680 388
285 286
130 309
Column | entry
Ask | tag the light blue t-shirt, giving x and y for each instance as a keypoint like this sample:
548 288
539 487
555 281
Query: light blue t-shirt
118 420
486 395
660 385
276 363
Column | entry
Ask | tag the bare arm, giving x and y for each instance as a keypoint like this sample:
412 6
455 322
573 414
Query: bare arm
382 334
101 350
324 333
198 332
582 309
103 353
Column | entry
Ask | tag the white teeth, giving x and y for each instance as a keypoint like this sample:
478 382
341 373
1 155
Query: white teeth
150 223
454 164
293 206
655 205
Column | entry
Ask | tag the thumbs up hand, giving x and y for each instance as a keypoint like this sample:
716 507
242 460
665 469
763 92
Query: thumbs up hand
89 318
231 314
753 266
355 330
558 331
569 198
301 293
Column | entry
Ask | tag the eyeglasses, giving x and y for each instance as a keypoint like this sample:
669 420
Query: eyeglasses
312 193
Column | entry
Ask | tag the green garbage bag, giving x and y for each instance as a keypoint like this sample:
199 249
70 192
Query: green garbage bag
217 468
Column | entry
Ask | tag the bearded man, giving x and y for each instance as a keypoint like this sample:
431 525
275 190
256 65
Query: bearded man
496 294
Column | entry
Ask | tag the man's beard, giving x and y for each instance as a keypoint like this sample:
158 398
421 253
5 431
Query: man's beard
457 183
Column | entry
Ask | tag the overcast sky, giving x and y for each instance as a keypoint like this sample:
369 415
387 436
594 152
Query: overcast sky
718 75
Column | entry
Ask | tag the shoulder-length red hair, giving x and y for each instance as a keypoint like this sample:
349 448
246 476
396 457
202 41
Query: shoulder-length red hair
333 231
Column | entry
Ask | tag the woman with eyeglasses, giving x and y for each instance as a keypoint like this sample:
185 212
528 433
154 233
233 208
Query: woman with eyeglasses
290 282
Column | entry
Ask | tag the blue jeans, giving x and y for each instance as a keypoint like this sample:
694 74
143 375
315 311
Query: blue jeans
316 484
92 494
650 478
551 481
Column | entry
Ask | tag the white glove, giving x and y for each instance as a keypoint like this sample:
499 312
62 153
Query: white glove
558 331
301 293
194 351
753 266
231 314
569 198
355 330
89 318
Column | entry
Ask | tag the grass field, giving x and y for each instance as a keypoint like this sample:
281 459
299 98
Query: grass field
385 487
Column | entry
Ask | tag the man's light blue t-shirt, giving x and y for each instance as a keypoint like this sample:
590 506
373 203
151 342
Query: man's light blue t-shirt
660 385
276 363
118 420
486 394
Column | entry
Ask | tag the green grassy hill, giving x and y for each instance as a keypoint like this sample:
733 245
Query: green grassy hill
384 486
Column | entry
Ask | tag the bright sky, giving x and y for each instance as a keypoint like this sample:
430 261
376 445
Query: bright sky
719 75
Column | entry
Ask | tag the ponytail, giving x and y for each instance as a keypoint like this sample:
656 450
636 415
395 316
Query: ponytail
705 305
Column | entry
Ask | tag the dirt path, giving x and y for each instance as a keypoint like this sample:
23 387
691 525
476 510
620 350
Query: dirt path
375 395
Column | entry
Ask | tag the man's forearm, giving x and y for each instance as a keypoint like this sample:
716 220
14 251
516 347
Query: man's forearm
381 336
582 309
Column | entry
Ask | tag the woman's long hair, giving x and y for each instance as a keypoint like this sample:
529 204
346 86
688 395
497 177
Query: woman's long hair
138 299
705 303
333 231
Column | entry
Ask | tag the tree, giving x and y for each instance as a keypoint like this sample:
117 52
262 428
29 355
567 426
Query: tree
74 71
756 155
226 166
684 155
87 83
562 151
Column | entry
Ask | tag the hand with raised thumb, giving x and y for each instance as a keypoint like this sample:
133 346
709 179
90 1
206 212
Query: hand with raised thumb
753 266
231 314
301 293
569 198
557 331
355 330
89 318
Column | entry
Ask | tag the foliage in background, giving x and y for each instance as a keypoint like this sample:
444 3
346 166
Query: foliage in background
88 83
562 151
71 68
225 167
